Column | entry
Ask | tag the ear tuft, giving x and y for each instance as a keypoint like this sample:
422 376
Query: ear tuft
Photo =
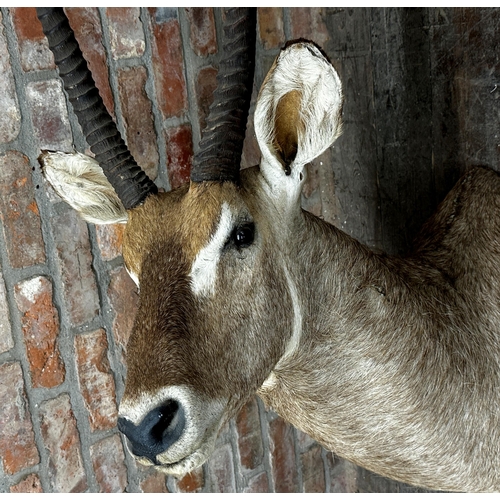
80 181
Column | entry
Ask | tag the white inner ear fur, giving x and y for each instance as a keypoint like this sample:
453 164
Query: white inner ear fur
204 269
80 181
302 68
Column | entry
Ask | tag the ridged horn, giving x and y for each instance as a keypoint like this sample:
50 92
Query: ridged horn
129 181
222 139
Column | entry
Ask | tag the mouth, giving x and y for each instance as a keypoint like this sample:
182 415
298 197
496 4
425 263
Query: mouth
182 466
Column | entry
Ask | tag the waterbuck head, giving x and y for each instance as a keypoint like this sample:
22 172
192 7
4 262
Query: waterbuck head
217 306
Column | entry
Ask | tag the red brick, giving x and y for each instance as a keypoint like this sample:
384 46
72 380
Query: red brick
30 484
202 30
249 436
6 340
283 457
10 118
300 18
313 472
221 470
343 475
194 481
179 154
108 461
307 22
124 300
271 32
86 24
19 211
168 65
75 263
97 384
17 441
49 115
138 116
40 325
154 483
205 85
33 46
125 32
61 439
110 239
303 440
258 484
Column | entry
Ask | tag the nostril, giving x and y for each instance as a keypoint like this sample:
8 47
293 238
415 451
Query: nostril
157 431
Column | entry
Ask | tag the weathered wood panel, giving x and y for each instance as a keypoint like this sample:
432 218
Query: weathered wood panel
421 88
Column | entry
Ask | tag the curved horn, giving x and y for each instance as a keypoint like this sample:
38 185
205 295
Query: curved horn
130 182
222 139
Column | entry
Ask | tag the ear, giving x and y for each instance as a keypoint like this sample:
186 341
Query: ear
297 116
80 181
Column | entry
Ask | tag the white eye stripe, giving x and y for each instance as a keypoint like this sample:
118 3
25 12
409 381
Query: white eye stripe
204 269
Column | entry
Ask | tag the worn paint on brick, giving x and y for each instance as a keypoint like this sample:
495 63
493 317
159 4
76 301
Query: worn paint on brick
221 468
40 326
125 31
61 439
124 300
6 340
108 461
49 115
202 38
10 118
155 482
33 46
96 380
110 239
17 440
138 117
74 258
30 484
257 484
21 226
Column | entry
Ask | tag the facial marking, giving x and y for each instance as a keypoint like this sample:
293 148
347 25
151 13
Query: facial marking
204 269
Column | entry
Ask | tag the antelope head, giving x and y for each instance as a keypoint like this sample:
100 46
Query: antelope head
218 309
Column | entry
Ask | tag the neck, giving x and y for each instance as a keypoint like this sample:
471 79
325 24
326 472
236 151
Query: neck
377 367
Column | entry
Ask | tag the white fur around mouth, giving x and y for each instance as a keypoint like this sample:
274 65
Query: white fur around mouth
185 465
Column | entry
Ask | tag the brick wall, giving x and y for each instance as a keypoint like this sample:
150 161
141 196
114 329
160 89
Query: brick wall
67 304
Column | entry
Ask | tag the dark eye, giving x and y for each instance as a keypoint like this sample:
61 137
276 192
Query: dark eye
243 235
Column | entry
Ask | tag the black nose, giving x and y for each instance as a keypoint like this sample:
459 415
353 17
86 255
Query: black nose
159 429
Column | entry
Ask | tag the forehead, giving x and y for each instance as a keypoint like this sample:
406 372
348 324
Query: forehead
187 217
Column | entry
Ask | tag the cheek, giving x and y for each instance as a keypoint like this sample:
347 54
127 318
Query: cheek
250 326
